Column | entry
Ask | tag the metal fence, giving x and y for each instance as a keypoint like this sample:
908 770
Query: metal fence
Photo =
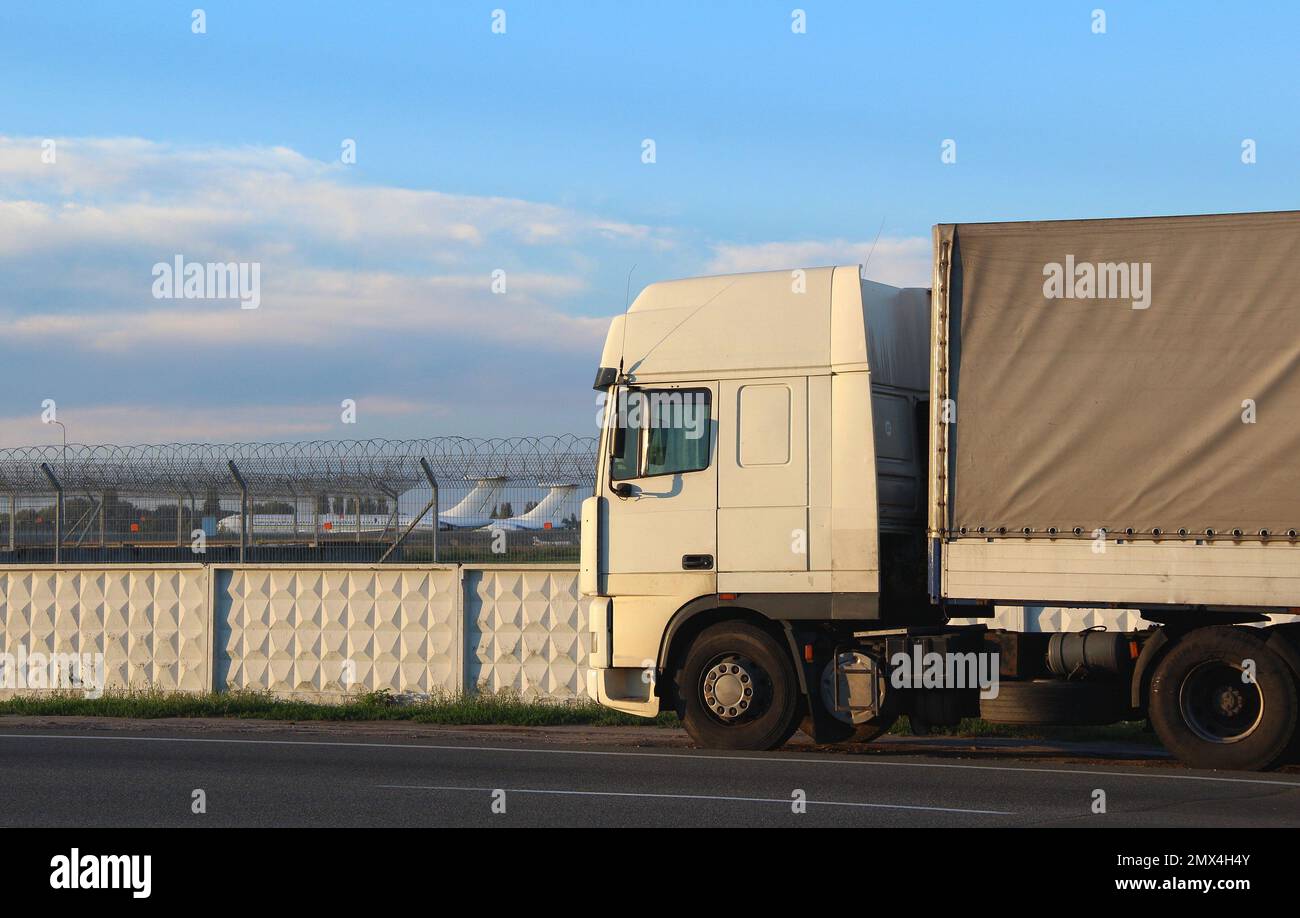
448 499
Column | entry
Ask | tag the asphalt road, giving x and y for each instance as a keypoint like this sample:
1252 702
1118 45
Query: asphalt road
85 775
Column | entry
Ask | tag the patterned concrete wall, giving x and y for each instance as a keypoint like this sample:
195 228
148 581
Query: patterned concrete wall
1048 618
327 632
526 631
150 624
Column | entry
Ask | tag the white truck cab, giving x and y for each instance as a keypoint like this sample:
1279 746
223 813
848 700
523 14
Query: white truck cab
764 442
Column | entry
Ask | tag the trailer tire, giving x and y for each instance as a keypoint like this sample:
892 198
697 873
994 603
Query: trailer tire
1208 717
1052 701
739 689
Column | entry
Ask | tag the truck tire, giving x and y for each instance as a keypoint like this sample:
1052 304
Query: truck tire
1052 701
1205 713
739 689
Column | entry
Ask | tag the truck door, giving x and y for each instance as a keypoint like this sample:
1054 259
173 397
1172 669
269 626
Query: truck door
763 485
658 512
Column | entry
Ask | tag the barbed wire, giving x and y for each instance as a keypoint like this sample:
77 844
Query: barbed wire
303 468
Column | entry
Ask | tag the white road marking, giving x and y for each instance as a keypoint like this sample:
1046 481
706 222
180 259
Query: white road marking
781 800
683 756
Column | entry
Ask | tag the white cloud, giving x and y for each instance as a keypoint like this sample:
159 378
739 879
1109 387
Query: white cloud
903 262
336 257
136 423
136 191
307 306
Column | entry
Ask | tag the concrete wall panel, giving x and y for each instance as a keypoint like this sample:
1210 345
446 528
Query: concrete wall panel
526 631
333 631
151 624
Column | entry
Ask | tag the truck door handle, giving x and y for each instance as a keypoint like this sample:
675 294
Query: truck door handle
697 562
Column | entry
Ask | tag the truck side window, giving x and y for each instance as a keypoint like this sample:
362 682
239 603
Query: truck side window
677 431
673 427
629 417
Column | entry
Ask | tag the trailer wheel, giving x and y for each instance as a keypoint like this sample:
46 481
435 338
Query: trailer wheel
739 689
1208 712
1052 701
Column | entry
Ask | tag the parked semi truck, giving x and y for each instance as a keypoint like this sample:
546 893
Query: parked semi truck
808 479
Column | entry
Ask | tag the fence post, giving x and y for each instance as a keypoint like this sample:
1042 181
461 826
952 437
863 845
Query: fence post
13 513
431 505
433 483
58 512
462 634
243 509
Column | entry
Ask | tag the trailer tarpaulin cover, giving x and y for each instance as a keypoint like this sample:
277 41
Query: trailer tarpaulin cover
1121 374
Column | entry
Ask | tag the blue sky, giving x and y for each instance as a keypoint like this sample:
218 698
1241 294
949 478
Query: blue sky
522 152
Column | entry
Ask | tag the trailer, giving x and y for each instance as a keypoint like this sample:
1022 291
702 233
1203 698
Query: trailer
807 479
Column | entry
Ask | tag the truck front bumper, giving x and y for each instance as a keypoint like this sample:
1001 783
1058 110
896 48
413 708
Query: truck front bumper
624 689
627 689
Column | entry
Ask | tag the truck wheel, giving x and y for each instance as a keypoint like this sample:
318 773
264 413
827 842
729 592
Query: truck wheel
1209 715
739 689
1052 701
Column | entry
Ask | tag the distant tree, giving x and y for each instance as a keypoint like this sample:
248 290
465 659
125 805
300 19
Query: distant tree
274 507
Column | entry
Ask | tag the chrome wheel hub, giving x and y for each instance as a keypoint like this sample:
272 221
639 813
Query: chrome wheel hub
729 689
